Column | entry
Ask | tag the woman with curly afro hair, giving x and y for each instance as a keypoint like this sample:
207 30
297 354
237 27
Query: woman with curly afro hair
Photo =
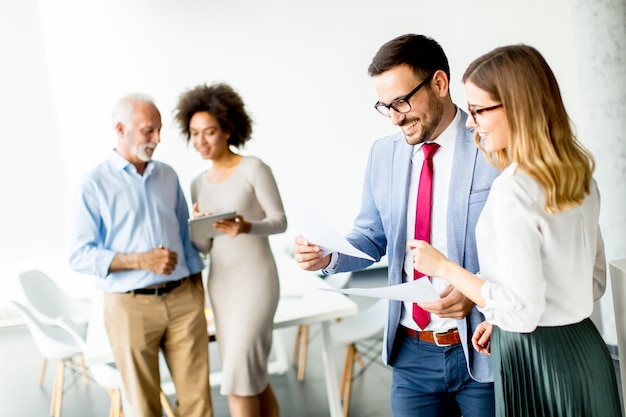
243 280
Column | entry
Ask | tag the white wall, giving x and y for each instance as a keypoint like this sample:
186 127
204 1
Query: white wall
301 67
600 37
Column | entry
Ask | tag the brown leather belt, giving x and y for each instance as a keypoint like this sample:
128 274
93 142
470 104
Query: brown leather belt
447 338
159 290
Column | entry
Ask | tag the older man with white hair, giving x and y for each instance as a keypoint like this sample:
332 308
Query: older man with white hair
129 230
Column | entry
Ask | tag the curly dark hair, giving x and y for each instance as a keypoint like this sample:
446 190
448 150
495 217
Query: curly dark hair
223 103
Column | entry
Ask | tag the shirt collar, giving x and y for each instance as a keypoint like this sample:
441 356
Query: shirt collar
120 164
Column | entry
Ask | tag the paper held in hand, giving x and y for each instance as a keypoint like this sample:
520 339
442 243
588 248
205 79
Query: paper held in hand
416 291
201 228
313 227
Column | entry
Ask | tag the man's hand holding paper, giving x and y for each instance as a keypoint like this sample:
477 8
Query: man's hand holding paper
317 239
310 257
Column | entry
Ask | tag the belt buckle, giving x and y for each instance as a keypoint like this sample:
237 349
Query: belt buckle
437 340
160 291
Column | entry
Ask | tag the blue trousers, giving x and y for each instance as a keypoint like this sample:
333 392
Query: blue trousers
432 381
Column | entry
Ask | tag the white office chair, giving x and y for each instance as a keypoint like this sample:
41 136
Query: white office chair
48 302
55 344
300 345
108 376
617 269
366 329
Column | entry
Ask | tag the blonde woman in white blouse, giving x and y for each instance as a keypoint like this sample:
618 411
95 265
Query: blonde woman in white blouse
539 245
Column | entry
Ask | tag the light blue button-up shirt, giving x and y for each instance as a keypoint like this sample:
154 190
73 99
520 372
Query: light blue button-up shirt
119 211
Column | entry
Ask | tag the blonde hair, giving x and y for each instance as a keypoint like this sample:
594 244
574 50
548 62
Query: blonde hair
542 142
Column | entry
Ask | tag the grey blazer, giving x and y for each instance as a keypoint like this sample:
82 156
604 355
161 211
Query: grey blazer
381 224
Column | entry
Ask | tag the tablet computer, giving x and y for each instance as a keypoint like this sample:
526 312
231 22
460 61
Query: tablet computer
201 228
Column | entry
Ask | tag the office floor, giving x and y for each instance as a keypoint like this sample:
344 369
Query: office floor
20 395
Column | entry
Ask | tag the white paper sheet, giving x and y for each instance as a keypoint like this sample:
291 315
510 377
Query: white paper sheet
417 291
310 223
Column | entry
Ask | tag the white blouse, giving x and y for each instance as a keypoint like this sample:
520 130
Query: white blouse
540 269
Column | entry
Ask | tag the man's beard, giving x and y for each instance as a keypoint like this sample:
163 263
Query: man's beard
140 151
430 124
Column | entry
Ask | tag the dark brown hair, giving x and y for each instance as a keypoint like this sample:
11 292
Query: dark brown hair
421 53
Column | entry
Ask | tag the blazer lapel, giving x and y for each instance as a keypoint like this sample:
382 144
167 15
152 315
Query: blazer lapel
463 164
401 169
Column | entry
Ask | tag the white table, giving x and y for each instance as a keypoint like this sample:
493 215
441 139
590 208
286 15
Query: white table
301 302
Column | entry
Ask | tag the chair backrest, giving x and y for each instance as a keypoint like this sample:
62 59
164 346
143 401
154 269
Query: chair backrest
75 331
51 341
366 324
618 267
49 301
617 270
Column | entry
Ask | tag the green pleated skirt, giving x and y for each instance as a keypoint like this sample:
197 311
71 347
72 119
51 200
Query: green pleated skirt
563 371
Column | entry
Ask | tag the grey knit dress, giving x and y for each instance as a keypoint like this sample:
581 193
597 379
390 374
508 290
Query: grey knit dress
243 281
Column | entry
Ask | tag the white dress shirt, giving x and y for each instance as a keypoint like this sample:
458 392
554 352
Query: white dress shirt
442 169
540 269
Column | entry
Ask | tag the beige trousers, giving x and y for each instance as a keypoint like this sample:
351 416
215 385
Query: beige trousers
140 325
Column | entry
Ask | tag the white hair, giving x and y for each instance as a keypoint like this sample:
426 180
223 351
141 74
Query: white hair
125 106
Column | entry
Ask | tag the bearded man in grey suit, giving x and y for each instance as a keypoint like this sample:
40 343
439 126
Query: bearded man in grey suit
436 372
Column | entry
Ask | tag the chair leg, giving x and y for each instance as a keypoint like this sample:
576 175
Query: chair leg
167 407
42 373
83 369
57 390
358 358
54 392
342 381
116 402
304 343
296 344
119 412
346 393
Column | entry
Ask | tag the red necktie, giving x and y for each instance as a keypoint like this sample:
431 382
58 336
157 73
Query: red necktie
422 218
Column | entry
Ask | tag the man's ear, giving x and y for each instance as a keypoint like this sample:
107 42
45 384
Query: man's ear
120 129
441 84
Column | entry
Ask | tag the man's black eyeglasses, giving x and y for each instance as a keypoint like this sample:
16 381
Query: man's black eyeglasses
401 105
